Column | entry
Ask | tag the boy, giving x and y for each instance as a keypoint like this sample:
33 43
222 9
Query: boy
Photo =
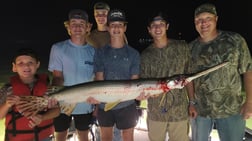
26 82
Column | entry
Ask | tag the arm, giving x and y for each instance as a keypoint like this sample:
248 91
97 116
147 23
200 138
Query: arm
190 91
99 76
37 119
246 110
52 111
135 76
247 84
58 78
5 107
7 100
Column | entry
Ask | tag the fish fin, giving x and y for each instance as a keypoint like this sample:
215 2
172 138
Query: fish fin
31 104
67 108
109 106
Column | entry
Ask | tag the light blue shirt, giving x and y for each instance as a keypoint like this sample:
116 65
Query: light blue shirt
76 63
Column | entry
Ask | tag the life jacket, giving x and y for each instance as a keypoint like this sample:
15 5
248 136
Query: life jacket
17 128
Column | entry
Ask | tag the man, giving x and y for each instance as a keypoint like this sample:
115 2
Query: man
71 63
218 94
99 37
117 61
166 57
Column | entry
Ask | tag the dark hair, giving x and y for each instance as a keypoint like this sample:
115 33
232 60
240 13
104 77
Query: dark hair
25 51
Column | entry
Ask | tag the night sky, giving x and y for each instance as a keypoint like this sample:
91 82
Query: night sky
39 24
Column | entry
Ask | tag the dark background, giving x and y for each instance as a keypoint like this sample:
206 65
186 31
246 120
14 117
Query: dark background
39 24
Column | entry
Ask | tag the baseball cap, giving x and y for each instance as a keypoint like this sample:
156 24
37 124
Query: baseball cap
156 16
101 5
27 52
78 14
207 7
116 15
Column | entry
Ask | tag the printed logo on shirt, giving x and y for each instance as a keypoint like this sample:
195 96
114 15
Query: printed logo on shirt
89 62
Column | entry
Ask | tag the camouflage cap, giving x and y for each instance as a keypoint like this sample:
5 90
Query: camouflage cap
207 7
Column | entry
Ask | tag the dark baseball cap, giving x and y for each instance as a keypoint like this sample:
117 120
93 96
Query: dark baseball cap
156 16
207 7
101 5
116 15
27 52
78 14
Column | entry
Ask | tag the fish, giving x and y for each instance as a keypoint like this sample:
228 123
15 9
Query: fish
110 92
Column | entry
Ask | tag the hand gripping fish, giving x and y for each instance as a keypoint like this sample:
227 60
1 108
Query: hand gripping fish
110 92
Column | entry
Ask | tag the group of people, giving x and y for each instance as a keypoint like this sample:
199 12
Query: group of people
104 54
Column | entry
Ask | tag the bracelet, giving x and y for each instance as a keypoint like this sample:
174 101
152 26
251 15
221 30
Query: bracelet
192 102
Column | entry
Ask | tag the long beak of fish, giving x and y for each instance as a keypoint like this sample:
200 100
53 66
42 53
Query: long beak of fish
189 79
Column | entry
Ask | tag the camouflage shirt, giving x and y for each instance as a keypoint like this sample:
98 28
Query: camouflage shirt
4 92
166 62
219 93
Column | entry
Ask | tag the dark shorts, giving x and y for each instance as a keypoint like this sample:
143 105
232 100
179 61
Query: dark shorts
63 122
124 118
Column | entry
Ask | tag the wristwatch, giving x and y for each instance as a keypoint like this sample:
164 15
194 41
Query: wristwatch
192 102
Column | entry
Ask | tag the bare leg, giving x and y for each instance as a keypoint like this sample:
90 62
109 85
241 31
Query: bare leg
106 133
82 135
60 136
128 134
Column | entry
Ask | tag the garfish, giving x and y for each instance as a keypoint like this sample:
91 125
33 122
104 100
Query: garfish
110 92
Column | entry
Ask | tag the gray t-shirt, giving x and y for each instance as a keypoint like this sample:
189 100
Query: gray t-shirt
117 64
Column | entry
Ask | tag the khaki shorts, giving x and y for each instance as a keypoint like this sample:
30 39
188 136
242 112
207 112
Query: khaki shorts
177 131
